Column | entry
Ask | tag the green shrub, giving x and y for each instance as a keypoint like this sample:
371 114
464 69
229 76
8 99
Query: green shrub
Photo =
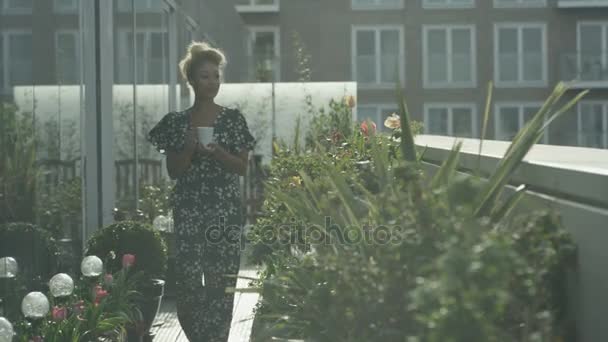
130 237
34 249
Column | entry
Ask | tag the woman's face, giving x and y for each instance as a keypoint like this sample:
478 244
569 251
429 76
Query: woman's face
206 80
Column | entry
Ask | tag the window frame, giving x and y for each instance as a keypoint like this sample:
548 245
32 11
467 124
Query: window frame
449 83
5 85
450 124
604 41
579 120
76 35
521 105
252 7
376 6
520 4
276 30
377 29
449 5
520 26
65 10
7 10
123 42
148 9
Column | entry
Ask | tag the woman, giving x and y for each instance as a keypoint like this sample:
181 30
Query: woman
206 200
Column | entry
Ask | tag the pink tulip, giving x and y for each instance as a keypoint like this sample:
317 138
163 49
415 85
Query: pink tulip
59 313
128 260
98 294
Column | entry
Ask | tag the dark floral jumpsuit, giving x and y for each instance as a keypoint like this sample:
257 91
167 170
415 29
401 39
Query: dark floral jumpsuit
208 217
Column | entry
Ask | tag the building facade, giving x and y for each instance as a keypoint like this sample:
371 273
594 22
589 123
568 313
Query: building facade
445 53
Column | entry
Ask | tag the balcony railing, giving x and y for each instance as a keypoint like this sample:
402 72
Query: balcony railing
588 70
582 3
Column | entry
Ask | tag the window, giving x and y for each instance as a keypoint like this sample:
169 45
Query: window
377 54
593 124
16 59
376 113
449 56
63 6
458 120
510 118
151 54
520 55
257 5
377 4
519 3
140 5
67 54
431 4
264 54
16 6
592 51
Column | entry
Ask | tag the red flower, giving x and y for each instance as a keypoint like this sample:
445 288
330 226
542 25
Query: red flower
128 260
59 313
366 131
99 294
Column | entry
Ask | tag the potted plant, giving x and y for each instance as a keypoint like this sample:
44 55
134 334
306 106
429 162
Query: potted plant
119 243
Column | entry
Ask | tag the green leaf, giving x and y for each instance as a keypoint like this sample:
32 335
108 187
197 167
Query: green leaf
408 148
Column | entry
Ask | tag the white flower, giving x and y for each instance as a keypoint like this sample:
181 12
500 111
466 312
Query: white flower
393 121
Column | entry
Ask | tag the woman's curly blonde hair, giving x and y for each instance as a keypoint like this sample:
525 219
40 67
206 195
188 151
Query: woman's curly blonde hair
197 54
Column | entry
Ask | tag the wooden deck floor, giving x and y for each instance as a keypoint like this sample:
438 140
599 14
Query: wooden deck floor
167 328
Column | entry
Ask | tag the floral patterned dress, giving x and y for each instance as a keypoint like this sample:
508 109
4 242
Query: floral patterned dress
208 216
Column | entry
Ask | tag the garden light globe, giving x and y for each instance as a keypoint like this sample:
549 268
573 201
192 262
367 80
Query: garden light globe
61 285
160 223
6 330
91 266
8 267
35 305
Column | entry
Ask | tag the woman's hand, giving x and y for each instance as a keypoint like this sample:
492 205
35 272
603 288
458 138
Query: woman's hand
212 150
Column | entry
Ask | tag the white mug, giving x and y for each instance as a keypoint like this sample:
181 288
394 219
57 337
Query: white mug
205 135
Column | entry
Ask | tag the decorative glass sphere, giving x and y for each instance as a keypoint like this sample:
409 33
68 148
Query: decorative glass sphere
91 266
8 267
35 305
6 330
160 223
61 285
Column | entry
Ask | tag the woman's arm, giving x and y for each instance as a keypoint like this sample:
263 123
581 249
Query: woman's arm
178 162
233 163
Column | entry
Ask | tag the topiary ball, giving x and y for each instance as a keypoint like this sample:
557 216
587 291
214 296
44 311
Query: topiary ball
130 237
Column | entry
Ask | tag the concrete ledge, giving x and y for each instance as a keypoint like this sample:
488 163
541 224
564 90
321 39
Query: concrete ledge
573 173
